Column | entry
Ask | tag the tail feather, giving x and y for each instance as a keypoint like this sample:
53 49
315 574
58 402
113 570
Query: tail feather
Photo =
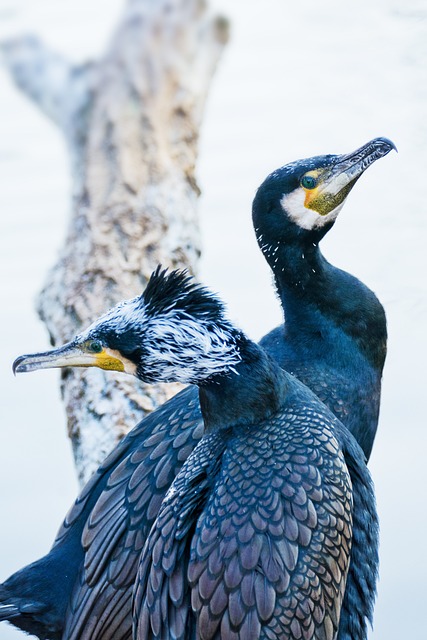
26 612
8 611
12 606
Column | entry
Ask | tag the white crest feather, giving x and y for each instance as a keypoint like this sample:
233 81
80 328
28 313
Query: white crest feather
120 317
182 349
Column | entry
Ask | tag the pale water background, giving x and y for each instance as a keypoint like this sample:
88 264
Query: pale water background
297 79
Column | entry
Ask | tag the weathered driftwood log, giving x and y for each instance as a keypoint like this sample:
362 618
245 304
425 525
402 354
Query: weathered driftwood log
131 121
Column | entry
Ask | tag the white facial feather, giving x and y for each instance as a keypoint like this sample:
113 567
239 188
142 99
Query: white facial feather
121 316
182 349
293 204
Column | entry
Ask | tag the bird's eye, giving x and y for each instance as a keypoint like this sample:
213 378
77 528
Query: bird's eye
308 182
95 346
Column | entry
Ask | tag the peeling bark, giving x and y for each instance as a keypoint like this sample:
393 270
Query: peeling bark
131 122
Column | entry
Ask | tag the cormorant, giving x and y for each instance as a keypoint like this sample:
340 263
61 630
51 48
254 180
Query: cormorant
253 537
90 571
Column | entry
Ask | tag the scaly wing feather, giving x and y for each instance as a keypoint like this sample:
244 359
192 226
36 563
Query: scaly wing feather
267 548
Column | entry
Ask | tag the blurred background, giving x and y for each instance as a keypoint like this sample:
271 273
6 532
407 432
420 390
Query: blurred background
296 80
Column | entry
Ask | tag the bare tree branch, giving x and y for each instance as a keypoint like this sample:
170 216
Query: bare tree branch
132 125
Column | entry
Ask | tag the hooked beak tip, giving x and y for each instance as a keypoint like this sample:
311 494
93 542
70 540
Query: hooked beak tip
389 143
16 365
42 360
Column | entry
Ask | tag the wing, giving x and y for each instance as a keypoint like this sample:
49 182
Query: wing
359 599
283 522
352 399
269 553
135 479
162 598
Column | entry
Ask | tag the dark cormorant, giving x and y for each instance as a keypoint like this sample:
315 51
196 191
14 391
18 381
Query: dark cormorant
253 537
341 358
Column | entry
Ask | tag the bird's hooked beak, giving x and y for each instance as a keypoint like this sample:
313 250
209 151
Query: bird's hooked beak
73 354
332 184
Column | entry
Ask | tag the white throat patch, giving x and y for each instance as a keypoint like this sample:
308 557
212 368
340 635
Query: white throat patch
294 207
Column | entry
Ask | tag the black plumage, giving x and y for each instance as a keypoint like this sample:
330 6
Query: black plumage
92 565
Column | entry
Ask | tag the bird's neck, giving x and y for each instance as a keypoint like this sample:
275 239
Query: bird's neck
325 303
252 392
296 267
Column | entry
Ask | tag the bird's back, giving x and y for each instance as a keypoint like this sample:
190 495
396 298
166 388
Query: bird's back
262 517
350 387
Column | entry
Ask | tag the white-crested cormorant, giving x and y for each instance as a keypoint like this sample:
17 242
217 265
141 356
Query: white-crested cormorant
339 360
253 538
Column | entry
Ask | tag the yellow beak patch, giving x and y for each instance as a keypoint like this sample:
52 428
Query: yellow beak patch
109 360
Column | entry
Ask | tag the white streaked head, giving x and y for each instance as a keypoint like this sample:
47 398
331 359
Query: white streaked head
176 331
178 347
